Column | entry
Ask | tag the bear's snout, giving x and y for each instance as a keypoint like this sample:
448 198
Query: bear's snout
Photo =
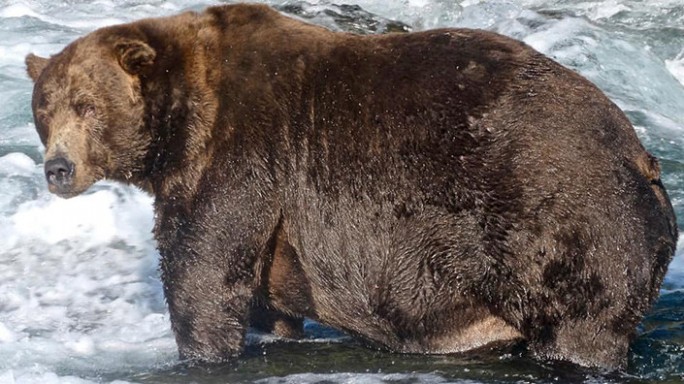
59 172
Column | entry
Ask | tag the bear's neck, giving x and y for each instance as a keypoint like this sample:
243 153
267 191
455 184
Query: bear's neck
180 113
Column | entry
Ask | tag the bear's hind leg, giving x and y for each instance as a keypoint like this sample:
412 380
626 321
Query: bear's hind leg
284 295
270 321
583 342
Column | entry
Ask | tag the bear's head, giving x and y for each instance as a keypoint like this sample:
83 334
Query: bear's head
89 110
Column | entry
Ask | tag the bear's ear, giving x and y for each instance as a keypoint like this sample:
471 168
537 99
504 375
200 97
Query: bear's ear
134 56
35 65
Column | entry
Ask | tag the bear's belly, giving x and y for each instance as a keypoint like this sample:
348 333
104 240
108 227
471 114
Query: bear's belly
451 327
485 332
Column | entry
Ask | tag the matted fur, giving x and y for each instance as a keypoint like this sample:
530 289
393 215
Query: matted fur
431 192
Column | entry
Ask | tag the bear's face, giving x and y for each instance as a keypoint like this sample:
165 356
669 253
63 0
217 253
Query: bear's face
89 112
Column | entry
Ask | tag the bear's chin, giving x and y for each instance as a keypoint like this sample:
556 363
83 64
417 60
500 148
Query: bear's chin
66 194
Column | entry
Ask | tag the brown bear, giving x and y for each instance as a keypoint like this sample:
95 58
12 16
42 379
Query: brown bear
430 192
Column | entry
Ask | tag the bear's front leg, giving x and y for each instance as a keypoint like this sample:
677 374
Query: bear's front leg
208 308
209 274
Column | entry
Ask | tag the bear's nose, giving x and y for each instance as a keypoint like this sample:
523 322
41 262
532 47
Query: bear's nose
58 171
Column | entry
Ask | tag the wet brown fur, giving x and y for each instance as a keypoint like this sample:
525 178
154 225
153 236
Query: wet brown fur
430 192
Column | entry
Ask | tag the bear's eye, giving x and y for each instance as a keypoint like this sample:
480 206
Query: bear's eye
85 109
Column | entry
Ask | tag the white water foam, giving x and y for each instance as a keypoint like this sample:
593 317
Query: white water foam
676 67
675 274
88 292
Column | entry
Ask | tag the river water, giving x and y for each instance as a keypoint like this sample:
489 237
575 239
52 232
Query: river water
80 297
